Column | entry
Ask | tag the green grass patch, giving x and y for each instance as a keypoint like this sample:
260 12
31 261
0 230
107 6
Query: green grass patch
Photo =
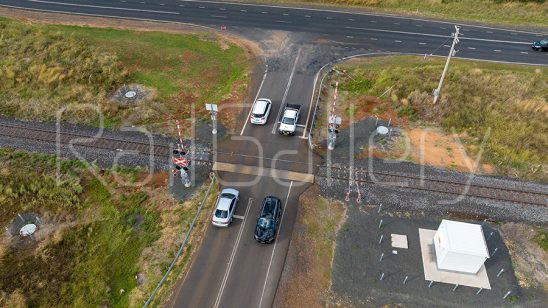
48 67
94 234
506 103
541 238
506 12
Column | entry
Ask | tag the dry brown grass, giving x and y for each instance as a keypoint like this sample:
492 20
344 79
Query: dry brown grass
307 274
529 260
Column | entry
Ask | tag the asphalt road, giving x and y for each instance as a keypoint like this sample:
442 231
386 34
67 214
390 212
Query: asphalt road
230 269
344 28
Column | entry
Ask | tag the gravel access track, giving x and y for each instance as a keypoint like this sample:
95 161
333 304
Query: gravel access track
433 184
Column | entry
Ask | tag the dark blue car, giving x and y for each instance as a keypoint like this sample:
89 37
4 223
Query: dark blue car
541 45
268 221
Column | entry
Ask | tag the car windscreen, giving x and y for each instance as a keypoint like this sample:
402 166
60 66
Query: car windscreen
257 115
288 121
227 195
221 214
265 223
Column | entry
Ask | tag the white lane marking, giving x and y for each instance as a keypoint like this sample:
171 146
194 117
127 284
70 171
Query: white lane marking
256 97
263 12
285 14
374 39
329 17
447 46
231 260
307 16
523 52
418 25
472 48
397 41
102 7
162 4
245 11
373 21
217 16
286 91
436 35
283 21
275 242
349 36
351 19
238 216
490 32
397 23
497 50
421 43
181 5
222 9
201 7
443 28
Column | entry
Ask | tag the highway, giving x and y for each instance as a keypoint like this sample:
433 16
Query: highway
230 269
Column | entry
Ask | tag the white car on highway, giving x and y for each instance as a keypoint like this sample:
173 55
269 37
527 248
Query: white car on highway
260 111
225 207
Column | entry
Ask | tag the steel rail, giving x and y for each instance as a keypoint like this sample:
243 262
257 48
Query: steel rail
339 173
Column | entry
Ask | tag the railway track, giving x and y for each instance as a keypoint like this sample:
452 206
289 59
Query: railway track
83 140
359 175
432 184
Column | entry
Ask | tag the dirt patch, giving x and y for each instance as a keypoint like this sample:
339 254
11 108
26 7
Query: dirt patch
529 260
435 148
306 279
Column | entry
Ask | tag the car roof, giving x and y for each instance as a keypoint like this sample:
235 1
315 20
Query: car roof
224 204
260 106
269 204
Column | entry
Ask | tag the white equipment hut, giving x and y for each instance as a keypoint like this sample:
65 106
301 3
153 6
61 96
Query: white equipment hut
460 247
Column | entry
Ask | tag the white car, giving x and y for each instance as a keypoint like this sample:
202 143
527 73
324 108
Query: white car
225 207
260 111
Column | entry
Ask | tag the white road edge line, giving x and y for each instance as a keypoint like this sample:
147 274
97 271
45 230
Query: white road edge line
275 242
286 91
231 260
436 35
256 97
102 7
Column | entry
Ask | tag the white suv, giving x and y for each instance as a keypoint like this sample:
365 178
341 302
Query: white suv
225 207
260 111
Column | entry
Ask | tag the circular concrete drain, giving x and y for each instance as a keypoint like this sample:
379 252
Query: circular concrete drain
28 229
130 94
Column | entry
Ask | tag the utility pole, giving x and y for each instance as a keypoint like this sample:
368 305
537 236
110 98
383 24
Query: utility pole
333 123
451 53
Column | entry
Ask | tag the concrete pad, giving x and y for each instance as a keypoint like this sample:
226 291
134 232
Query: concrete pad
274 173
432 273
399 241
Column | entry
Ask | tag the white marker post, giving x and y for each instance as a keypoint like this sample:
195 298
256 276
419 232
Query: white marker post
212 108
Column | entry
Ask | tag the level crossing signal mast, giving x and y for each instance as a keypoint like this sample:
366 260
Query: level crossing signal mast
180 160
334 123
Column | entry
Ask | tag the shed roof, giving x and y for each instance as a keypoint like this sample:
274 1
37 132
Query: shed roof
464 237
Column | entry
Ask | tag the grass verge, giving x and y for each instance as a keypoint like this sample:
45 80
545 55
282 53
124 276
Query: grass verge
48 67
99 243
506 104
306 278
510 12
